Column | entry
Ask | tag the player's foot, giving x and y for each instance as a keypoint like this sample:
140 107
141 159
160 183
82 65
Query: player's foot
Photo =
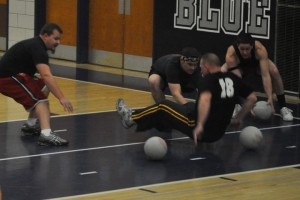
31 130
286 114
127 121
236 111
52 140
121 106
125 112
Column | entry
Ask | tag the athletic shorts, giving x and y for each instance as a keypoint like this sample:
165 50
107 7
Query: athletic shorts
24 89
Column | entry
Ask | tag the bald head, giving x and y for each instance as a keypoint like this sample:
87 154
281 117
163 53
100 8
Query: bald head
211 59
210 63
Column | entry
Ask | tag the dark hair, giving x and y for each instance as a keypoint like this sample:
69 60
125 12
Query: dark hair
245 38
190 52
211 59
49 28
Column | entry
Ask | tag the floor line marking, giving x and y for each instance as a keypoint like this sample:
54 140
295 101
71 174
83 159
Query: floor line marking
279 115
291 147
88 113
268 128
61 130
117 145
199 158
229 179
88 173
70 151
69 115
174 182
145 190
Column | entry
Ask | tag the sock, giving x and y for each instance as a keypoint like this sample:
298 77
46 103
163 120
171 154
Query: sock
31 121
281 100
46 132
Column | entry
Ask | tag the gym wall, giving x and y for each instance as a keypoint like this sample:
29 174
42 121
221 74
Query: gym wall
119 32
3 24
129 34
64 13
287 51
212 26
20 20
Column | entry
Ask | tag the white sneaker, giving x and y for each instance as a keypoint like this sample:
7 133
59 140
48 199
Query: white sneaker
286 114
125 112
236 111
127 121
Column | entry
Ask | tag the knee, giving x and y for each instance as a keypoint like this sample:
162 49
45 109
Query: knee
155 81
275 75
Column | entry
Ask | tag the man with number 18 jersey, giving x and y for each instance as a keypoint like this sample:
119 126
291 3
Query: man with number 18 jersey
203 121
224 88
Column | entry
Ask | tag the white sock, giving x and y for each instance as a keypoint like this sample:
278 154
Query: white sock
46 132
31 121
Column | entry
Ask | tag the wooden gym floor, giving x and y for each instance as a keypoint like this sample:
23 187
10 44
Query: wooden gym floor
106 161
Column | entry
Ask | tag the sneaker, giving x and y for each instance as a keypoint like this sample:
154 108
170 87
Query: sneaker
127 121
125 112
52 140
120 106
31 130
236 111
286 114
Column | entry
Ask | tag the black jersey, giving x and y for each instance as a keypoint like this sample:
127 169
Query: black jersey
23 57
168 67
225 89
247 65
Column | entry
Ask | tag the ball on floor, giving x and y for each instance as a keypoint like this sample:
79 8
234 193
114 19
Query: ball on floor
262 110
251 137
155 148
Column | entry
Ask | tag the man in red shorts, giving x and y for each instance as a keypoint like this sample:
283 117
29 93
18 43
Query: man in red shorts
18 67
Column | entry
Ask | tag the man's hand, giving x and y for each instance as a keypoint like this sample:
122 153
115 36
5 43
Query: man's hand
270 102
66 104
197 132
235 123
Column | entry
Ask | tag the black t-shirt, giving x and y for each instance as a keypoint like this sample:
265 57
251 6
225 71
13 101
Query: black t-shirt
23 57
168 67
225 89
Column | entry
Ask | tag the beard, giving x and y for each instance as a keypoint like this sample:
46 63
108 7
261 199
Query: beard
53 49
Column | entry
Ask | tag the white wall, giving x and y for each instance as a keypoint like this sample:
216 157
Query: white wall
21 27
20 20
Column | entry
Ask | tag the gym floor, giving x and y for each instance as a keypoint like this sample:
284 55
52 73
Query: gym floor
106 161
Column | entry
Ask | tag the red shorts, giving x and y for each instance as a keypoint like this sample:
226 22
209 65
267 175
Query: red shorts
24 89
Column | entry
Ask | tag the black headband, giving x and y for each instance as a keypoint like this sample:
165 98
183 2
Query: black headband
190 59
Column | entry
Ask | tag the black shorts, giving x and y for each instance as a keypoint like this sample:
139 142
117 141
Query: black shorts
254 81
251 76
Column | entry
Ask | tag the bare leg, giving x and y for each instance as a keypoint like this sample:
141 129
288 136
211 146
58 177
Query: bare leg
32 114
43 114
279 91
156 83
276 78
